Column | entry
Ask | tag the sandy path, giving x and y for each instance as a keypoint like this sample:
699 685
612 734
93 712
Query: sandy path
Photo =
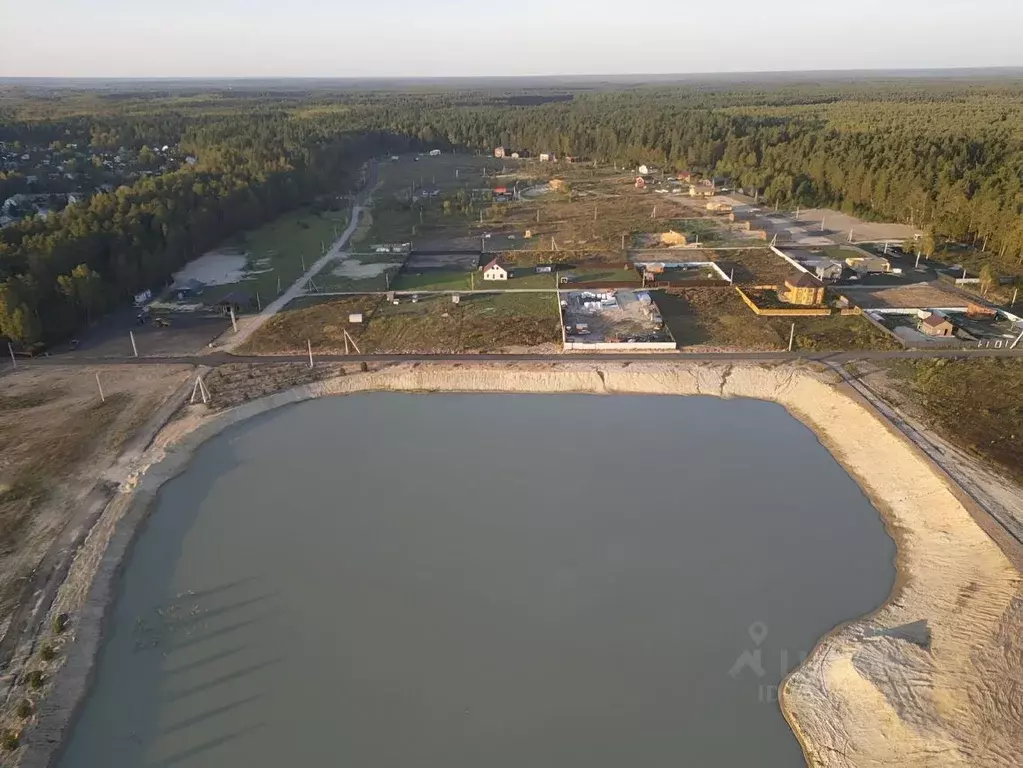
249 325
881 690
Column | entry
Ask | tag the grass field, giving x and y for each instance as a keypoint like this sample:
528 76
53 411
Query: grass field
836 332
715 318
278 249
434 324
977 404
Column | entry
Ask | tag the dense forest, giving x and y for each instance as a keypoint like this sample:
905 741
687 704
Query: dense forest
944 155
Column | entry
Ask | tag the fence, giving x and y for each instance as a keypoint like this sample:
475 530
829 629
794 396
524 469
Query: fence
783 311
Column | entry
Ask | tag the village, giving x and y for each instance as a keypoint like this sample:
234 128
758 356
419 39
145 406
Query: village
454 253
42 180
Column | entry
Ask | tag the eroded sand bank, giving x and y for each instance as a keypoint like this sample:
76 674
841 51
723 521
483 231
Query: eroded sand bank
870 694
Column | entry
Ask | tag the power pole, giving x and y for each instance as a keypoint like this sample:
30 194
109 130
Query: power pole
623 241
917 265
278 285
303 257
792 336
1015 293
259 304
14 362
102 397
309 344
134 349
234 323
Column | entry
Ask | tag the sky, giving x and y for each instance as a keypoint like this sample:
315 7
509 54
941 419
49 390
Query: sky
444 38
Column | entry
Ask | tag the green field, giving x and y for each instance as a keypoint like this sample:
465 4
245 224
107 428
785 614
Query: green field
277 251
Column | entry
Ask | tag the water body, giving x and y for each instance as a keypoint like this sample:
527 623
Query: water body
483 580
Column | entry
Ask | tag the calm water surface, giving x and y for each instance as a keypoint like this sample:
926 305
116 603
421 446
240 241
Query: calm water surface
483 580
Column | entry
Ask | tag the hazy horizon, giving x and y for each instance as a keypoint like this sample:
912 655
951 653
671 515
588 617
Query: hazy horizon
398 39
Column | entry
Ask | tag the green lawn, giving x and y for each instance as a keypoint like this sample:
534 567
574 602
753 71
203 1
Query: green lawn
435 280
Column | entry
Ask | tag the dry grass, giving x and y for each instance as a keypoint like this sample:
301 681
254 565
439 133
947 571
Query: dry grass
976 404
715 318
481 322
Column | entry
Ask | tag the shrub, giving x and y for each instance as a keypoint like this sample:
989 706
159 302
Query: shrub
47 653
36 679
24 709
364 366
60 622
9 741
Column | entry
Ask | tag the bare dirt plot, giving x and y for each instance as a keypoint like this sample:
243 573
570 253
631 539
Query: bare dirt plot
56 440
752 266
908 297
842 223
715 319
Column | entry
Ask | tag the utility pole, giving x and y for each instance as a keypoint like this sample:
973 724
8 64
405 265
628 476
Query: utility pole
594 211
102 397
623 241
823 219
537 215
14 362
278 285
1015 293
309 345
792 336
917 265
259 304
850 235
303 257
234 323
885 247
134 349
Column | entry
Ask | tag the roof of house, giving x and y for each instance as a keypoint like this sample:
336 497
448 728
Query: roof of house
496 263
805 280
935 320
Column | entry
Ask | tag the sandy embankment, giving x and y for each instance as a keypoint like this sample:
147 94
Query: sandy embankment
865 696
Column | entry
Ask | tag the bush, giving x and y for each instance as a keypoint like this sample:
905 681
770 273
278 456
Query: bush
9 741
47 653
364 366
36 679
60 622
24 709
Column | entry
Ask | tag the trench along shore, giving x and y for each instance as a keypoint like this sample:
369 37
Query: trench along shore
874 691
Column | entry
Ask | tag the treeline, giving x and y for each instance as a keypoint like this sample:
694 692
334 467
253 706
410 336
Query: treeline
57 273
948 159
947 156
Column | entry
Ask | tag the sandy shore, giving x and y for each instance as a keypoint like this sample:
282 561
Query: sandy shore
870 694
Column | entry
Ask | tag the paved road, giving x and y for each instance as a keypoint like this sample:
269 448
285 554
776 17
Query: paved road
223 358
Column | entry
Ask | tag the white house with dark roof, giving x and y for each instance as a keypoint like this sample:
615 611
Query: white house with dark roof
495 271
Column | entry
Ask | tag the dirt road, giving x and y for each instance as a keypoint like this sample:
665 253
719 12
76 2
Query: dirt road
248 326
